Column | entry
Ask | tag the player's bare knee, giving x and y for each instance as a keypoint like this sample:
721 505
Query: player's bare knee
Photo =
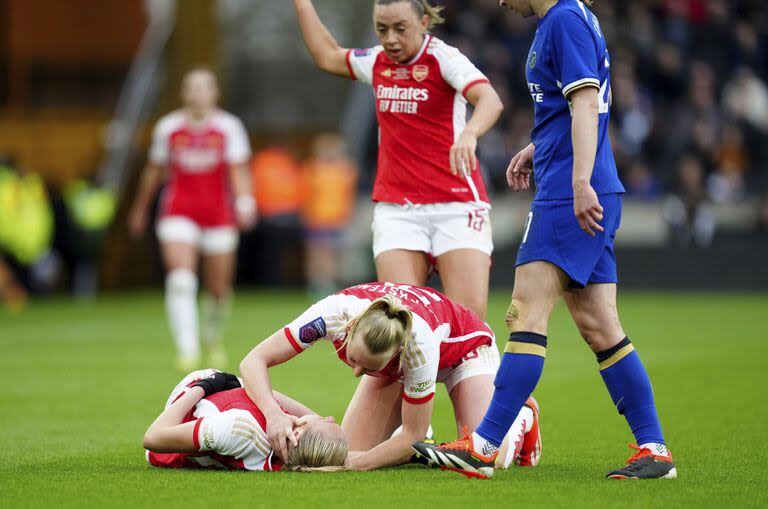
599 338
587 324
512 317
522 316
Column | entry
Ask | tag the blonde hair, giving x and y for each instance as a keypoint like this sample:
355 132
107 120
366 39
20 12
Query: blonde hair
422 8
317 452
386 325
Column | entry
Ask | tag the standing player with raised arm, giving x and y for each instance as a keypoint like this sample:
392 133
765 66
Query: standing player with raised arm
567 247
204 152
431 202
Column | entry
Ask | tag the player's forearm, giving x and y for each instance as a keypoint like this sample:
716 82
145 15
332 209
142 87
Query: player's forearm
240 180
245 203
292 406
395 451
161 435
488 109
584 125
254 371
150 182
322 46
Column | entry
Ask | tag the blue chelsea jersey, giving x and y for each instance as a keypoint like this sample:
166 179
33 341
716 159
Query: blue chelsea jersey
568 53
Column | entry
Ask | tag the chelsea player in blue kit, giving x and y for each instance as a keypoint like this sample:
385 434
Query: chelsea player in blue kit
567 245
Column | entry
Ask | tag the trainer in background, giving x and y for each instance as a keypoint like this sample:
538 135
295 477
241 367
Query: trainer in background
330 185
26 233
274 251
204 152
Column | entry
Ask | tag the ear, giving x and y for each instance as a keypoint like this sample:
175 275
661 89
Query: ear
425 23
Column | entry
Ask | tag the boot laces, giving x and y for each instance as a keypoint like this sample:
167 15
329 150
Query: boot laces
640 454
462 444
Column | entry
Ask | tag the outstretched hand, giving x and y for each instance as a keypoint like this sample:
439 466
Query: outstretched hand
520 169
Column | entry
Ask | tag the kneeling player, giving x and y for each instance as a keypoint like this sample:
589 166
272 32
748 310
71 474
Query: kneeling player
210 422
401 340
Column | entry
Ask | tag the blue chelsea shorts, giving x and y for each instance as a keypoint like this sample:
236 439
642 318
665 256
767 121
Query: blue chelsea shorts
552 234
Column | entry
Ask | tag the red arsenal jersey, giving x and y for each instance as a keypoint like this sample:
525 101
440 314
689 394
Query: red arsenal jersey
421 108
217 420
199 156
443 332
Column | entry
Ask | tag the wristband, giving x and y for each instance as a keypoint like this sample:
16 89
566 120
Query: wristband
245 204
207 385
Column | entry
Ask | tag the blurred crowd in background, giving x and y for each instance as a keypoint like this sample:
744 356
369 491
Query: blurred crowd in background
689 128
47 233
690 100
304 205
306 198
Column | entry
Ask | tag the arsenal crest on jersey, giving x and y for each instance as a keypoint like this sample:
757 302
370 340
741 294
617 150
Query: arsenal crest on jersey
420 72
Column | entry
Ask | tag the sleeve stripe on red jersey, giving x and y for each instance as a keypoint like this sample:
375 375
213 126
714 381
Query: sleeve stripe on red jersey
292 340
472 84
418 401
349 65
195 432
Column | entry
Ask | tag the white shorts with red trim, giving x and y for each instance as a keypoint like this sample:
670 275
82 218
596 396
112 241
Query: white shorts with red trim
484 360
217 240
433 228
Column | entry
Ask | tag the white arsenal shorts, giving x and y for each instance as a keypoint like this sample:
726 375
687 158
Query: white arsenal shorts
483 361
433 228
211 241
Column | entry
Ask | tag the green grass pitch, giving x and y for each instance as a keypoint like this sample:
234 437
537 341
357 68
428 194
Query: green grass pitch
81 382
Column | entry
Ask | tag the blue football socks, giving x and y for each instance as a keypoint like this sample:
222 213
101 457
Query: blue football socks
518 375
630 388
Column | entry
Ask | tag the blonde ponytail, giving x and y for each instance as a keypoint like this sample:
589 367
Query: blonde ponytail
386 325
422 8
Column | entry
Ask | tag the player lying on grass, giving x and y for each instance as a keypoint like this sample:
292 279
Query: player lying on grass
401 340
210 422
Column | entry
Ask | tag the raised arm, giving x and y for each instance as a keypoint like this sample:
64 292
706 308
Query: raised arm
397 450
272 351
325 51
